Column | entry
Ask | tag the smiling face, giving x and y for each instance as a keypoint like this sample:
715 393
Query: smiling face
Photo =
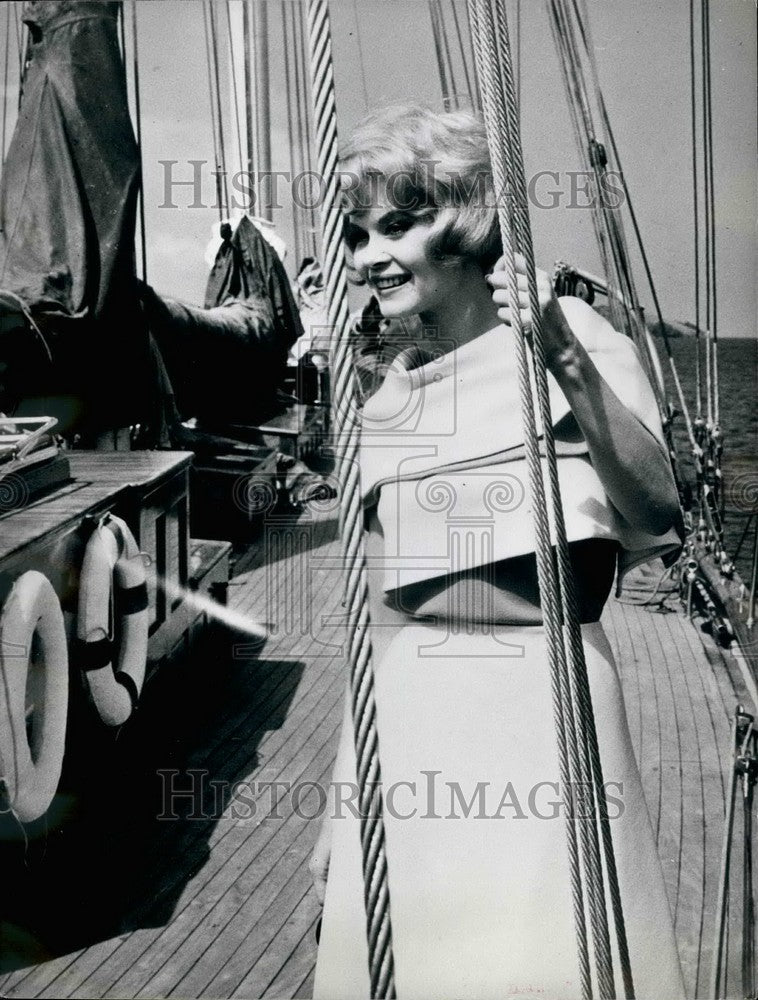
390 248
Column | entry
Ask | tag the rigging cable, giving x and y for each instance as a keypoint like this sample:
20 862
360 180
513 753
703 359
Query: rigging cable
470 88
250 144
5 76
219 199
310 209
708 124
262 108
583 23
290 128
583 134
706 211
518 52
233 71
455 96
573 714
444 84
696 213
359 46
300 146
138 119
347 426
217 121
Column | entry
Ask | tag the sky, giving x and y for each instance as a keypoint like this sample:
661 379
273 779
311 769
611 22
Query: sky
384 53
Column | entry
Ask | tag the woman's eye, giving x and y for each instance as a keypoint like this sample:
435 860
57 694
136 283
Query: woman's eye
397 228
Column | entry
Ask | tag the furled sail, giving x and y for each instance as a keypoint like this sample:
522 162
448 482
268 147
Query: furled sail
67 214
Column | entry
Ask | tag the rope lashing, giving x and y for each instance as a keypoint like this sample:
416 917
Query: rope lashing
347 431
576 735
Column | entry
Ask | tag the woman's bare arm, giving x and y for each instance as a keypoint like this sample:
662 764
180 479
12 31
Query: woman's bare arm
632 465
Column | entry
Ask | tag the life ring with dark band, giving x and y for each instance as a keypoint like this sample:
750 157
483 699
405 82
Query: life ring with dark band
32 638
112 621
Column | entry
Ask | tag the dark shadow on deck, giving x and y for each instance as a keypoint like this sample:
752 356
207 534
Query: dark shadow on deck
135 810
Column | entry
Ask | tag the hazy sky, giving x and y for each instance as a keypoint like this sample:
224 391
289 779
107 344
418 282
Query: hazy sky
384 53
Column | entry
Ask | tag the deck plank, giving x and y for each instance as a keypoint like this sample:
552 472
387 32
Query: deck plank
223 906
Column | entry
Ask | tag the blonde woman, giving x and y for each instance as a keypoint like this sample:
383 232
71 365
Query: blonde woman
474 810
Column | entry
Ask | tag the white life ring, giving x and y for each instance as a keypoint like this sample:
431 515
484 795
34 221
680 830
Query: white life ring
112 621
32 633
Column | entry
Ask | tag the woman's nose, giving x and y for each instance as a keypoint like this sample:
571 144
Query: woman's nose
372 253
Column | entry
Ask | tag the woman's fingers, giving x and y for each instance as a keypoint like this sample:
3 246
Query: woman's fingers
501 297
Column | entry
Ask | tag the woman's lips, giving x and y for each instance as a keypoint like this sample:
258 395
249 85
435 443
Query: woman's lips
389 283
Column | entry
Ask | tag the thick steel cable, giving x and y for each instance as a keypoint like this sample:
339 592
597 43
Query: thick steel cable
347 429
585 732
481 21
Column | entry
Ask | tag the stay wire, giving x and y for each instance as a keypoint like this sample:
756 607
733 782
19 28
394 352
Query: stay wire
696 215
138 120
5 76
235 92
585 732
583 24
219 114
470 87
208 58
441 69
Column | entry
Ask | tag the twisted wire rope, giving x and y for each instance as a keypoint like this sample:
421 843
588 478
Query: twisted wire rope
347 431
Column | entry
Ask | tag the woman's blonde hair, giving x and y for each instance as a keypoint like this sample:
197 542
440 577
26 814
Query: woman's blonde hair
432 163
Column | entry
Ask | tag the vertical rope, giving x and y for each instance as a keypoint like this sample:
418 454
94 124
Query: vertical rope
297 225
583 24
444 84
696 214
5 76
708 123
584 738
235 92
470 87
580 719
310 213
706 212
214 127
138 117
495 118
455 97
347 429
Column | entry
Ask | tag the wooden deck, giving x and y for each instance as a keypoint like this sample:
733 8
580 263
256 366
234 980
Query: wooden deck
206 892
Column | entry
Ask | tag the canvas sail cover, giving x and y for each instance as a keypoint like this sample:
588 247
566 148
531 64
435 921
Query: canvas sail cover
68 198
